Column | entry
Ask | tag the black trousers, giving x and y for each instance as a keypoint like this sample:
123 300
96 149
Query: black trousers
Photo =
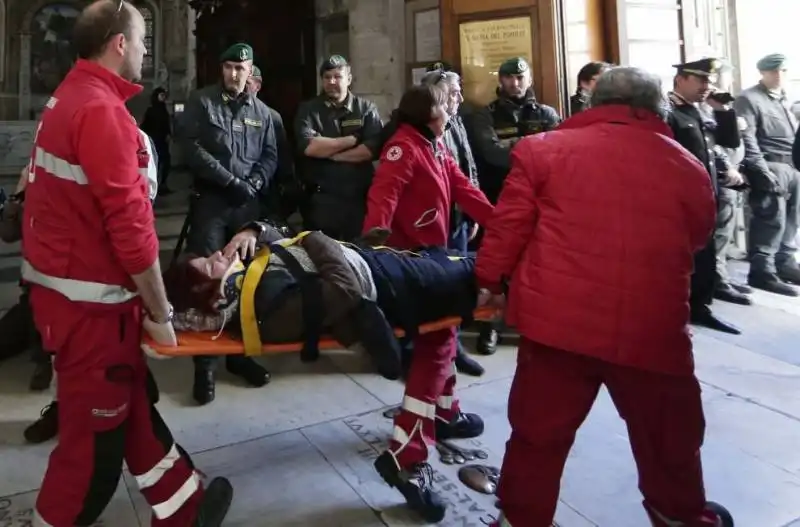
704 277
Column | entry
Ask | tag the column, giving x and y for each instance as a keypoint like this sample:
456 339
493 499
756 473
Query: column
24 77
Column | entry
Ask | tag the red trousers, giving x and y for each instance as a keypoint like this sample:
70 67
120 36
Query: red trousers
105 417
429 395
552 393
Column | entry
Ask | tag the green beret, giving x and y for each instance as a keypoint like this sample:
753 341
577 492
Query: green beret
256 72
237 53
331 63
515 66
772 62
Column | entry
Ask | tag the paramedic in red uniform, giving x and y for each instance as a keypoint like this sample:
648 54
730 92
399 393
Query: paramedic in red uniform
411 196
91 259
588 234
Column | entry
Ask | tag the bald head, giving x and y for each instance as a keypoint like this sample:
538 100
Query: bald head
99 23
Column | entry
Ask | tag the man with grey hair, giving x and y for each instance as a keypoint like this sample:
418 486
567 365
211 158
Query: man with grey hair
573 229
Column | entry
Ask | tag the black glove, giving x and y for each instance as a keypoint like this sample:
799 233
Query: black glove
238 192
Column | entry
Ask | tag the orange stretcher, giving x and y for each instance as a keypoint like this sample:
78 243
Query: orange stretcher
209 343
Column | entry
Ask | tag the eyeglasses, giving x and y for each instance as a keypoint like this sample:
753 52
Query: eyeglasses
114 20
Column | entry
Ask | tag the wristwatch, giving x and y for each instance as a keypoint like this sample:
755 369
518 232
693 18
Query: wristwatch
170 316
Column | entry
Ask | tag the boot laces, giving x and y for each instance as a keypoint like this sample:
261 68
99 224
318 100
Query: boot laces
422 476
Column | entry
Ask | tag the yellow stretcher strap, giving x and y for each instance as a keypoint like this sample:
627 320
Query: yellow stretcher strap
251 336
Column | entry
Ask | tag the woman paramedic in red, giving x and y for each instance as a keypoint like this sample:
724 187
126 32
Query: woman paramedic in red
411 197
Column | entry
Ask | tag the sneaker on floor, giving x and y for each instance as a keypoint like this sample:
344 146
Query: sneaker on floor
464 426
45 428
416 486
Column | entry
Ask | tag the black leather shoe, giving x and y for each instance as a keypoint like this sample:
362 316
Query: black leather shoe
45 428
487 340
467 365
707 319
771 283
790 274
42 377
204 390
215 504
728 293
740 287
248 370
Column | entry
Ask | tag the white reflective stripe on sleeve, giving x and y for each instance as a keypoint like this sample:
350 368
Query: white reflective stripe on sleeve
58 167
77 290
167 508
445 402
153 476
400 436
38 521
420 408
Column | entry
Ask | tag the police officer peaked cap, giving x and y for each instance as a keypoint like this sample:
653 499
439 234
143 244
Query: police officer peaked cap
331 63
515 66
237 53
439 66
772 62
256 73
702 68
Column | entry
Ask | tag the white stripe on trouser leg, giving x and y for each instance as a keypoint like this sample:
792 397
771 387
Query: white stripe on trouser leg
54 385
38 521
445 402
154 475
420 408
404 439
168 508
400 436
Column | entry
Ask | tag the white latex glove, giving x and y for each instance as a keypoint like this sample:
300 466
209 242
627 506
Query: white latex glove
163 334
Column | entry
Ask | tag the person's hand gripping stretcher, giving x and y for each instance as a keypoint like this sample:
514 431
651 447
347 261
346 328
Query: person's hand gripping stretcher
268 289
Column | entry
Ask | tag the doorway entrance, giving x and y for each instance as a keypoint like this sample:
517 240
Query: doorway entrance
282 36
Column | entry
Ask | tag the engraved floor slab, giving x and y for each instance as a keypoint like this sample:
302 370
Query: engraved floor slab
351 445
17 510
280 481
300 394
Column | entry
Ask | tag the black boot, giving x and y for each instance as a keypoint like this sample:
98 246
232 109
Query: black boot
416 486
770 282
487 339
725 517
248 370
45 428
216 501
702 316
464 426
790 274
740 287
726 292
466 364
204 390
15 331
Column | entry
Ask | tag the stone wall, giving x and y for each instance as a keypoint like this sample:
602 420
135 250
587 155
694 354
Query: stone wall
377 47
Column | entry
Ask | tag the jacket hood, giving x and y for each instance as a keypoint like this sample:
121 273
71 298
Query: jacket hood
618 114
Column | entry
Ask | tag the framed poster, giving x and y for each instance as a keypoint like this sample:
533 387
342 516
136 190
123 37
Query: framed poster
423 37
484 45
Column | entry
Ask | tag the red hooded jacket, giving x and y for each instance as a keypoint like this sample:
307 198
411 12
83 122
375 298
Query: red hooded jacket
88 222
413 190
596 227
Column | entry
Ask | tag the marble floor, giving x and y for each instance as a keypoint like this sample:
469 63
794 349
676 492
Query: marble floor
299 451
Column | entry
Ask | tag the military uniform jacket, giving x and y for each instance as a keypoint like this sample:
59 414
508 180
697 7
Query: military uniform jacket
225 138
769 135
699 133
319 118
493 130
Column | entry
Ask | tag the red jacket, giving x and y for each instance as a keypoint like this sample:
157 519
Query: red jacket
596 227
413 190
88 217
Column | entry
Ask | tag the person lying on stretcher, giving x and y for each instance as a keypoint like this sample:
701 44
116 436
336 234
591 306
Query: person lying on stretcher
313 285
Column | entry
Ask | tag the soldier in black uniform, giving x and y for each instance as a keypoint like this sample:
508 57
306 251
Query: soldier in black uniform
279 200
338 136
229 143
699 134
494 130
